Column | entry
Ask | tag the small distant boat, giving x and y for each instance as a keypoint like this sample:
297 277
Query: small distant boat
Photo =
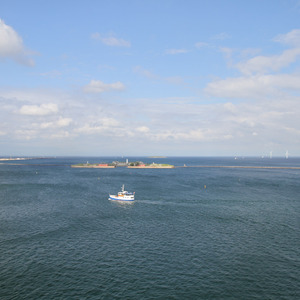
122 196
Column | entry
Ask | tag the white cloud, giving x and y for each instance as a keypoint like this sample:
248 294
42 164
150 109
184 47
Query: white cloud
221 36
259 80
61 135
61 122
89 129
109 122
263 64
111 40
200 45
10 42
268 114
175 51
290 38
143 129
39 110
227 51
256 124
52 74
176 80
25 134
11 45
34 96
102 126
146 73
253 86
98 86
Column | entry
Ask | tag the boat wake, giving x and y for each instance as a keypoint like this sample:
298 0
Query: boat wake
166 203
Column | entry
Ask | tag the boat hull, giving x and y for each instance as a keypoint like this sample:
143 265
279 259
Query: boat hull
116 198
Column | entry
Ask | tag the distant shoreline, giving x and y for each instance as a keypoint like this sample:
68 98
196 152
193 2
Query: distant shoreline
241 167
15 158
149 167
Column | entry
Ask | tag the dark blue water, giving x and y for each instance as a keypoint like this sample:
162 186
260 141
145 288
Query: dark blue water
192 233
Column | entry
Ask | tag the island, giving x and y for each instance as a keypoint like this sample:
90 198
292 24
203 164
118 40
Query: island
151 166
93 166
127 164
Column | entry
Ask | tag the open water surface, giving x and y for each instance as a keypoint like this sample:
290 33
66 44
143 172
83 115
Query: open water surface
192 233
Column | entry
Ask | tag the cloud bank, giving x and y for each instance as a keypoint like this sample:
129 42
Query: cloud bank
39 110
254 112
11 46
98 86
262 76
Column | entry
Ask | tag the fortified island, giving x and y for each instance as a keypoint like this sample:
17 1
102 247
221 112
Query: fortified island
127 164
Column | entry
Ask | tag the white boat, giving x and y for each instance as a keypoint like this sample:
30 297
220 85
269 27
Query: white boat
122 196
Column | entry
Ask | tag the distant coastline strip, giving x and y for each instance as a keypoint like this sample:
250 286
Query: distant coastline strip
243 167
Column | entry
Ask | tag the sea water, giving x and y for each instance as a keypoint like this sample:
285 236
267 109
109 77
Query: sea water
192 233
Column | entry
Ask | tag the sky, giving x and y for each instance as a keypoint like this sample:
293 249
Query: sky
150 77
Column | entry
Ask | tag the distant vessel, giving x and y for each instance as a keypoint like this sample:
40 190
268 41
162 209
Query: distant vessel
122 196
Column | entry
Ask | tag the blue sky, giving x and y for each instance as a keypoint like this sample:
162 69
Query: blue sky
146 77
